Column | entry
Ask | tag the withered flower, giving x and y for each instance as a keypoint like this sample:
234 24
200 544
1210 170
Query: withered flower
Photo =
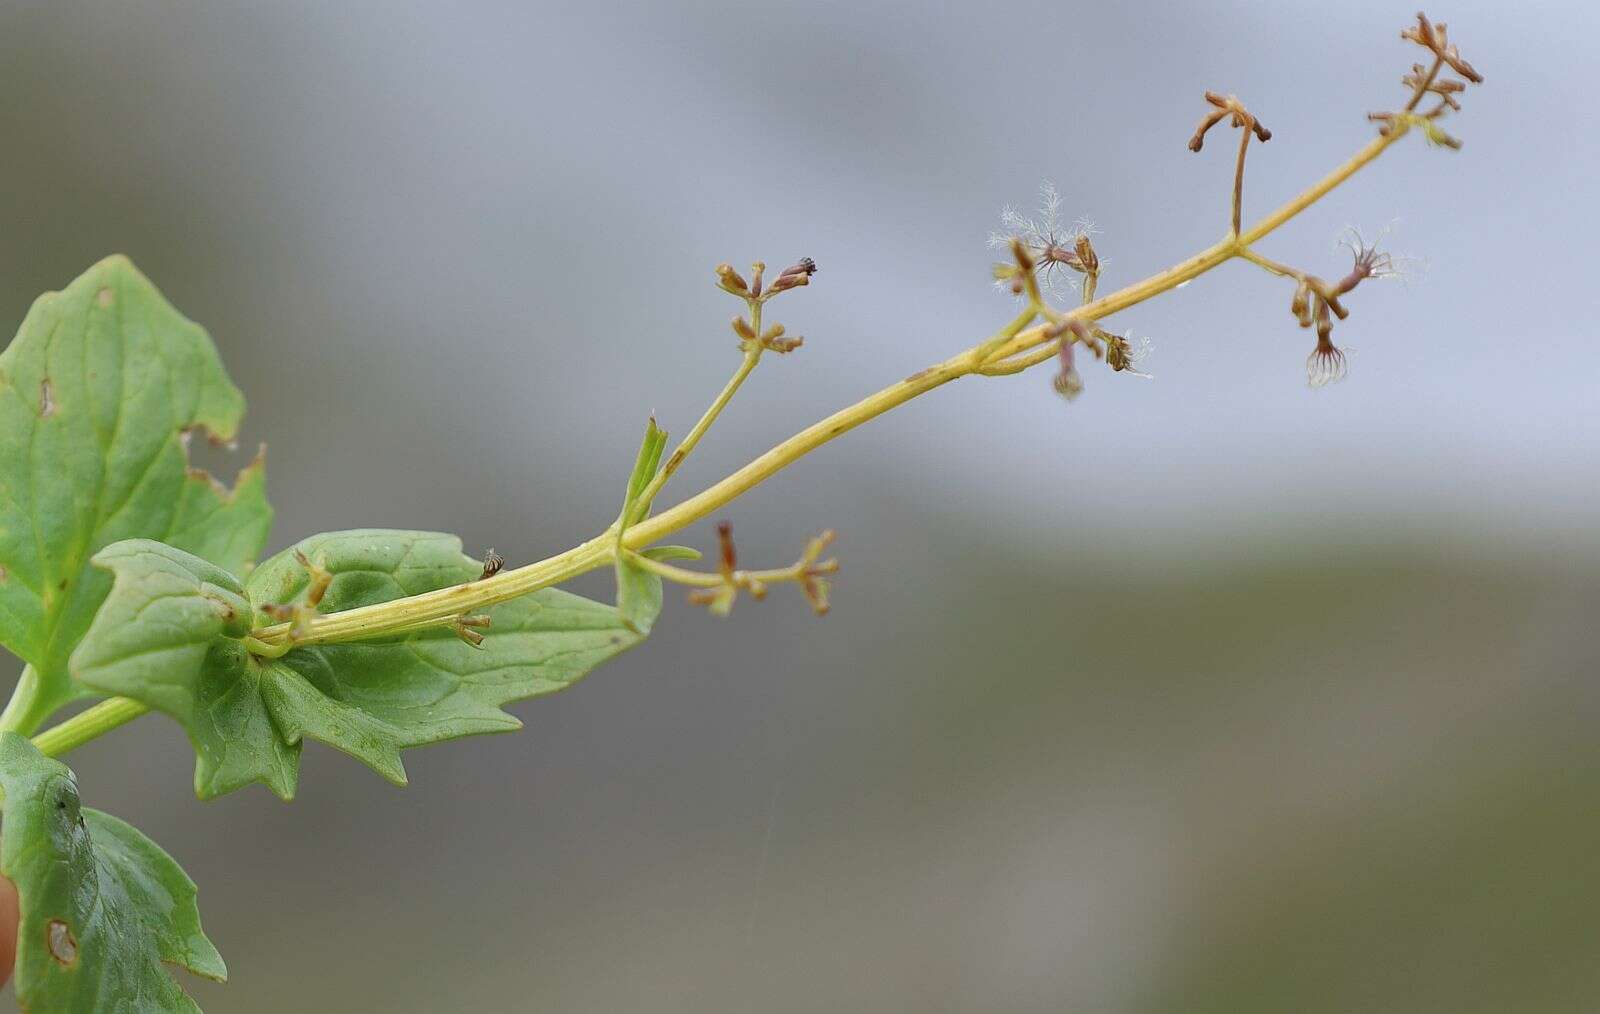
1051 244
1327 363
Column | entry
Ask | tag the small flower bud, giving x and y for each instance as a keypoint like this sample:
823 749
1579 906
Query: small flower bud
742 328
783 283
731 280
804 266
1300 306
1087 258
773 337
492 562
1068 382
1019 251
755 277
729 556
319 576
469 628
816 590
718 601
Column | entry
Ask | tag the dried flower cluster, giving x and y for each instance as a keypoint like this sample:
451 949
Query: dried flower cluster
1043 252
1425 80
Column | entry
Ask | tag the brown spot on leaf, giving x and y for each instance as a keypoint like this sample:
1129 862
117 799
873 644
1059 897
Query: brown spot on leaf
63 946
103 297
4 573
47 399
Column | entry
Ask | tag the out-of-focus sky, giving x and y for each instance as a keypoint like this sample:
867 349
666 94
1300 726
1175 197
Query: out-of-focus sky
1210 692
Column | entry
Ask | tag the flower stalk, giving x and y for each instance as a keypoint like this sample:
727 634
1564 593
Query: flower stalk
1025 342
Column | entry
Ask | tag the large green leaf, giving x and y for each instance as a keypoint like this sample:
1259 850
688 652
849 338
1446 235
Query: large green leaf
100 392
104 909
171 635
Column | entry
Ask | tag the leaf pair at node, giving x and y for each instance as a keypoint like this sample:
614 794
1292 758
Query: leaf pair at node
173 635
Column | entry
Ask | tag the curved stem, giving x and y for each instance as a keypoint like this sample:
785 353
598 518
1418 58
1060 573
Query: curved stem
707 579
1267 263
88 724
18 716
1238 179
389 617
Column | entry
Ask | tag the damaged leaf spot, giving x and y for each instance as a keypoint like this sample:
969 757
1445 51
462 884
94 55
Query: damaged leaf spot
103 297
63 947
195 473
47 399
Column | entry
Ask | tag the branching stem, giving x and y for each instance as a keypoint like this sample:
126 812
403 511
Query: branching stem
704 579
1015 348
682 451
1003 354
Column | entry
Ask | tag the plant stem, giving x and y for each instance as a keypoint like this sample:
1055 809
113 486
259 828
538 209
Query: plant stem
1238 179
684 448
87 725
1268 264
400 614
18 714
704 579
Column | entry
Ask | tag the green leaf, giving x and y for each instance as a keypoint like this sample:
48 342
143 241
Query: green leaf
100 392
644 469
668 553
171 635
104 909
638 590
638 595
247 716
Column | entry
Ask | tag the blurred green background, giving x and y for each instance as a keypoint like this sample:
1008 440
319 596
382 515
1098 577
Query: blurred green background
1204 694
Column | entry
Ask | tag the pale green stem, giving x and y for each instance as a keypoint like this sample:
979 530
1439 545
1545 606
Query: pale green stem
88 724
684 448
18 714
383 618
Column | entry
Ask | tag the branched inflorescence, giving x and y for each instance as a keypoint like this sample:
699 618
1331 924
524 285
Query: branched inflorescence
717 591
1040 249
1425 80
193 602
1045 258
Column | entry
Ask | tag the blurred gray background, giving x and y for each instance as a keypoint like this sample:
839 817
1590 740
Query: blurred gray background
1210 693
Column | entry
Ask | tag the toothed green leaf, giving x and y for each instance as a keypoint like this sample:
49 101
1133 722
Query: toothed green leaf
104 909
100 391
171 635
